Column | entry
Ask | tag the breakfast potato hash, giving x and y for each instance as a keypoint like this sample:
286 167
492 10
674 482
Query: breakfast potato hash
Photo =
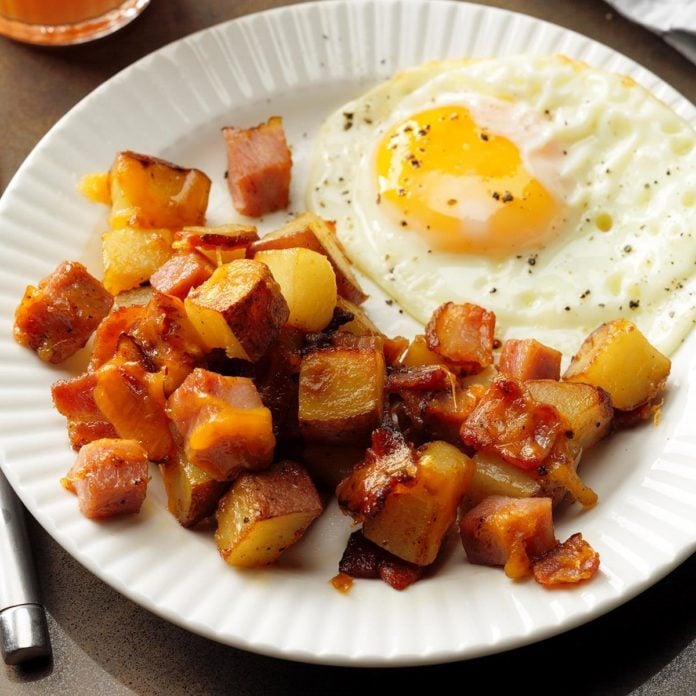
253 378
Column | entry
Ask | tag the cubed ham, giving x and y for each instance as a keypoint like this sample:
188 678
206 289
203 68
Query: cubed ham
74 398
224 424
570 562
510 423
109 477
510 532
462 334
528 359
258 167
180 273
57 318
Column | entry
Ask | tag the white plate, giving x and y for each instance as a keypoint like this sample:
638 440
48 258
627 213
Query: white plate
301 62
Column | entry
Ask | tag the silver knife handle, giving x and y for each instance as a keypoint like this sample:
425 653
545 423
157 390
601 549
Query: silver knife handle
23 630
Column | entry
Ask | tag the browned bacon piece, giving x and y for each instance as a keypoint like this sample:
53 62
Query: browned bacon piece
363 559
180 273
572 561
225 426
529 359
509 422
258 167
508 532
389 461
463 334
57 318
231 237
420 378
74 398
109 477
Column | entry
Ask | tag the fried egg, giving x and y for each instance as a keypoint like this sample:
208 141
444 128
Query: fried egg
557 195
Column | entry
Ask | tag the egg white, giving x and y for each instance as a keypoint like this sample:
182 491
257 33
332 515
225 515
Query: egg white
620 162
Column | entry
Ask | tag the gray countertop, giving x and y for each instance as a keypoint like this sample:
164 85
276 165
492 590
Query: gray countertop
105 644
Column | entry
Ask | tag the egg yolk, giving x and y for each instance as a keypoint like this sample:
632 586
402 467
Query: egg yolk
462 188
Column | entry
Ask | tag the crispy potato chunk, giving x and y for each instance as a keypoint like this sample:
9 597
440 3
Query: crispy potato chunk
96 187
309 231
341 394
192 494
494 476
225 426
239 308
109 478
150 192
132 255
57 318
308 284
618 358
586 409
417 513
264 513
462 334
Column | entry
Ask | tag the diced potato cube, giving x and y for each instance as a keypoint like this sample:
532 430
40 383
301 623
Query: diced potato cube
57 318
310 231
417 513
618 358
264 513
192 494
132 255
586 409
341 394
308 284
239 308
494 476
150 192
96 186
419 354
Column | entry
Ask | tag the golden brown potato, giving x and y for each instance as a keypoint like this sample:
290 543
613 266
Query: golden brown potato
341 394
618 358
308 284
309 231
418 354
494 476
149 192
417 513
192 495
131 256
264 513
239 308
586 408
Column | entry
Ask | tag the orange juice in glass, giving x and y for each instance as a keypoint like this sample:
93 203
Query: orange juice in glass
64 22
